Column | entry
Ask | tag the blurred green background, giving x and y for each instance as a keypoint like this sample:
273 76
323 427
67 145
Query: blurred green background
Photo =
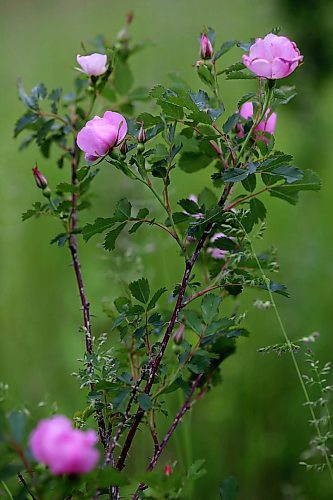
254 426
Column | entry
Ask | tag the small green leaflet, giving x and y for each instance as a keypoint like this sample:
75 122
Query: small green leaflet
111 237
99 226
123 210
144 401
140 290
209 307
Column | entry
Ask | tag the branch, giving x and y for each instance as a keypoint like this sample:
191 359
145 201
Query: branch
156 362
186 406
79 279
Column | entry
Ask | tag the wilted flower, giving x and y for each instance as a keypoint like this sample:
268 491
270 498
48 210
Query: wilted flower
99 135
65 450
206 48
273 57
94 64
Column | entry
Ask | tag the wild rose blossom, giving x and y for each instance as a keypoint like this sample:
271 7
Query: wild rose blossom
267 125
217 253
65 450
206 48
94 64
273 57
99 135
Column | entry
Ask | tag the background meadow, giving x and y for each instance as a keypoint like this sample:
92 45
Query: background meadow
255 425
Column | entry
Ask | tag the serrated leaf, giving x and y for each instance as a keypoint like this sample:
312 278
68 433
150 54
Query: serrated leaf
149 120
225 47
200 99
25 121
215 113
250 183
29 101
35 211
145 401
123 210
171 110
209 307
291 174
196 471
111 237
193 321
258 210
230 123
140 290
99 226
289 192
189 206
155 298
191 161
238 174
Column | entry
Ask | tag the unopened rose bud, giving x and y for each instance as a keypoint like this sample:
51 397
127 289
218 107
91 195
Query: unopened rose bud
178 336
142 137
206 48
168 470
129 17
123 148
41 181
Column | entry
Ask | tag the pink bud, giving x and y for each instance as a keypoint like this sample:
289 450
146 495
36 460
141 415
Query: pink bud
178 336
94 64
124 148
266 125
206 48
273 57
41 181
142 137
99 135
168 470
65 450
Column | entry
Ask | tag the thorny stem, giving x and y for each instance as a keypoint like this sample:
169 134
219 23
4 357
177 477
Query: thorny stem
291 351
113 444
178 306
185 407
79 279
23 481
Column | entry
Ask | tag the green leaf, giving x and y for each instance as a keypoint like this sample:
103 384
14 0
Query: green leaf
229 489
140 290
196 471
29 101
123 77
289 192
111 237
215 113
35 211
207 198
149 120
107 477
258 210
240 75
171 110
278 288
225 47
238 174
284 94
144 401
99 226
291 174
250 183
209 307
230 123
191 161
205 75
123 210
66 187
25 122
189 206
200 99
120 399
155 298
54 97
193 321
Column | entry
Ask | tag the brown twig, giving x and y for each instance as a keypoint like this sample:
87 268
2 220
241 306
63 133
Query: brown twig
178 306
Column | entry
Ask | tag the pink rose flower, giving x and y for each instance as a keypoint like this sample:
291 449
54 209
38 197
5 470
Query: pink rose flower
267 125
65 450
206 48
99 135
93 65
273 57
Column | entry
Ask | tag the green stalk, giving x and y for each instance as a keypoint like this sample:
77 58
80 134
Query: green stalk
292 354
